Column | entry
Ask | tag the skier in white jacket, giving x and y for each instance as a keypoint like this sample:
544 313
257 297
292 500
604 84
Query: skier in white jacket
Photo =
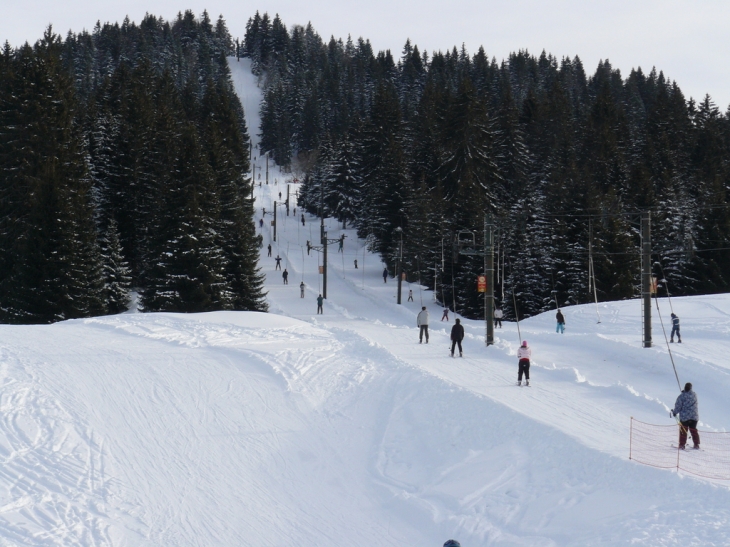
422 322
524 354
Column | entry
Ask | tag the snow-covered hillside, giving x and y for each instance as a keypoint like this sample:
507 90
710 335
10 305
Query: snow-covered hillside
292 428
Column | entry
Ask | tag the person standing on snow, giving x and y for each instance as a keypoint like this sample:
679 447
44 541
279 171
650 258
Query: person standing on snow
524 354
320 300
445 315
561 322
410 295
457 335
687 409
341 244
385 275
302 219
422 323
269 249
261 223
498 317
285 276
278 263
301 289
675 330
356 263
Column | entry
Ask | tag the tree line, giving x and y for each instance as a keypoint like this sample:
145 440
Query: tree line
123 154
560 160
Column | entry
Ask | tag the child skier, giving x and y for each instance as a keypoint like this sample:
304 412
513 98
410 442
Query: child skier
524 354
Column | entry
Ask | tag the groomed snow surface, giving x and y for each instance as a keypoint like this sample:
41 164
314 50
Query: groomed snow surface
297 429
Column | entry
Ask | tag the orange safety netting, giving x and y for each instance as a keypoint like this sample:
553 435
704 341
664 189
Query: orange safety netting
657 445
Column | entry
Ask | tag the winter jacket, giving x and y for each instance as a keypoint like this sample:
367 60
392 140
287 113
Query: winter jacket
422 318
320 300
457 332
498 314
524 353
675 322
559 317
686 406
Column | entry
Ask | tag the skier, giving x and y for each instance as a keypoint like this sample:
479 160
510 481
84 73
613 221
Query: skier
356 263
341 244
524 354
457 335
261 223
264 211
285 276
278 263
279 192
309 247
301 289
686 408
675 329
302 219
269 247
410 295
385 275
319 304
422 323
561 322
498 317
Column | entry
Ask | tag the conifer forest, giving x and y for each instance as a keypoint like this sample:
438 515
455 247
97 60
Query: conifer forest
124 163
561 161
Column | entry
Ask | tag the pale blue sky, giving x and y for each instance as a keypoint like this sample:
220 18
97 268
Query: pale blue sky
688 40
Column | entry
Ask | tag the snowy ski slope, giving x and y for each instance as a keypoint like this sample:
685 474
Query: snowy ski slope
292 429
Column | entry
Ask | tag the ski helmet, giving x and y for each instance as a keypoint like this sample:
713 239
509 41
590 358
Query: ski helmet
524 343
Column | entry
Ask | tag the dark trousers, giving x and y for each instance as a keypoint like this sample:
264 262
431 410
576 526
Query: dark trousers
692 426
319 309
675 330
498 323
424 328
453 345
524 366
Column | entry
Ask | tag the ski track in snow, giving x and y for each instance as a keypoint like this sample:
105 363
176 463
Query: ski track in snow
292 428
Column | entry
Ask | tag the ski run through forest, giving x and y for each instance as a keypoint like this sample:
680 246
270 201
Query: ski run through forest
238 427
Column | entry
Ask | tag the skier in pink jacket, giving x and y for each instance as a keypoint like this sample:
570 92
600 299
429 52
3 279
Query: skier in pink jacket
524 354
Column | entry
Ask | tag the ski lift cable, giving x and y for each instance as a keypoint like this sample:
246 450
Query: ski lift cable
666 341
666 285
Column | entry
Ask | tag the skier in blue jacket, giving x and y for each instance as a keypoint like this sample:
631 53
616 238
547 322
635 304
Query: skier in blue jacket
686 408
675 329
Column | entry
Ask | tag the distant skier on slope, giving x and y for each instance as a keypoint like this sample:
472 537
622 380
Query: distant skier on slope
320 300
302 219
356 263
301 289
285 276
675 330
422 323
278 263
524 354
457 335
445 315
561 322
269 247
686 408
410 295
498 314
385 275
